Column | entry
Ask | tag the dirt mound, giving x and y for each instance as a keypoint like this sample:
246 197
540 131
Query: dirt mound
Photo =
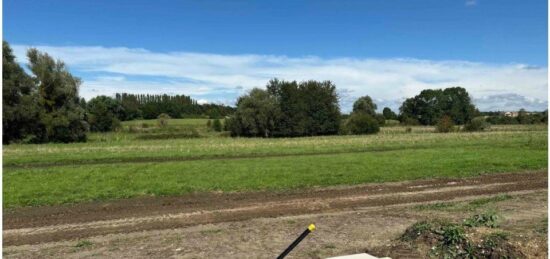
443 239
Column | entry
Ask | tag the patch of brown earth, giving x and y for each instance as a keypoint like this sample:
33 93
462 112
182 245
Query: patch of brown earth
56 223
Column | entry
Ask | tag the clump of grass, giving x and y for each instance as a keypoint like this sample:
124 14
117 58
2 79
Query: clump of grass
471 205
83 244
416 230
435 206
483 201
449 240
488 219
542 227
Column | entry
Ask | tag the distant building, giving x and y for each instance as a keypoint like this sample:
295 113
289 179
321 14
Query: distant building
511 114
515 114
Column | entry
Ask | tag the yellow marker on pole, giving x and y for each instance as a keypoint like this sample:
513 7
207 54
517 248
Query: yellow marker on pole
309 229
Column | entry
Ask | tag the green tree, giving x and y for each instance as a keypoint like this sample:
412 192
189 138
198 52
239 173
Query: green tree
430 105
61 117
20 111
366 105
102 113
255 116
287 109
389 114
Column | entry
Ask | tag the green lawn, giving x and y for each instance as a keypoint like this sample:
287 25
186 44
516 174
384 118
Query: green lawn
68 173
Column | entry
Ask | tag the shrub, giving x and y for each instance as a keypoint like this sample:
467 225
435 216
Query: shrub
488 219
381 119
217 125
445 124
362 123
477 124
162 120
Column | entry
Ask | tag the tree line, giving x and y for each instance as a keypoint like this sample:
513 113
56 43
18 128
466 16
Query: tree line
45 106
310 108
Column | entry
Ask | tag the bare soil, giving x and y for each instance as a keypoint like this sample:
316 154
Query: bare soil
255 225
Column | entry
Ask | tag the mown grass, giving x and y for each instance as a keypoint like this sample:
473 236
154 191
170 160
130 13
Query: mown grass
68 184
104 170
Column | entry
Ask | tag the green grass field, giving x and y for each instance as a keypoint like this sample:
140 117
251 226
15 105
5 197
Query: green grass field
120 165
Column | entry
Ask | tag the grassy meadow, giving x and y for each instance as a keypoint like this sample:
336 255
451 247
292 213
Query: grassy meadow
143 159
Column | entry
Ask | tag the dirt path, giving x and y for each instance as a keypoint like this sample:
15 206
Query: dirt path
50 224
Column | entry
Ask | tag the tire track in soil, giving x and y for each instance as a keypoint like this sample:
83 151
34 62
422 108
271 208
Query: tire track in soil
56 223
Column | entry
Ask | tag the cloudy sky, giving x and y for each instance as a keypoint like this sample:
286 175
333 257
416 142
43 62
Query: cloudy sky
217 50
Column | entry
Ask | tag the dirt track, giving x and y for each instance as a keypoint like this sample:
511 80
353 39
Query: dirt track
49 224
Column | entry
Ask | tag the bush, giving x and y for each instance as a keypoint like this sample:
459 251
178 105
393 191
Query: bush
477 124
445 124
162 120
488 219
217 125
362 123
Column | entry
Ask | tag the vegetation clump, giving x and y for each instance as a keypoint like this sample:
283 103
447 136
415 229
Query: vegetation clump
477 124
217 125
430 105
449 240
44 107
487 219
362 123
445 125
162 120
287 109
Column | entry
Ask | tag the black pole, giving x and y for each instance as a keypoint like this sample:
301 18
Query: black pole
297 241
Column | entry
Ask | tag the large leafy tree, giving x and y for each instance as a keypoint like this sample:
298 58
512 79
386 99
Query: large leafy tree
431 105
307 108
255 116
389 114
19 95
61 116
366 105
287 109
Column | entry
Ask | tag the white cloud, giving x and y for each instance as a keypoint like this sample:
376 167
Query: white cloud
221 78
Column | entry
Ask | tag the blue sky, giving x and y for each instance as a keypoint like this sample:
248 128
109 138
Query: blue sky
217 50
